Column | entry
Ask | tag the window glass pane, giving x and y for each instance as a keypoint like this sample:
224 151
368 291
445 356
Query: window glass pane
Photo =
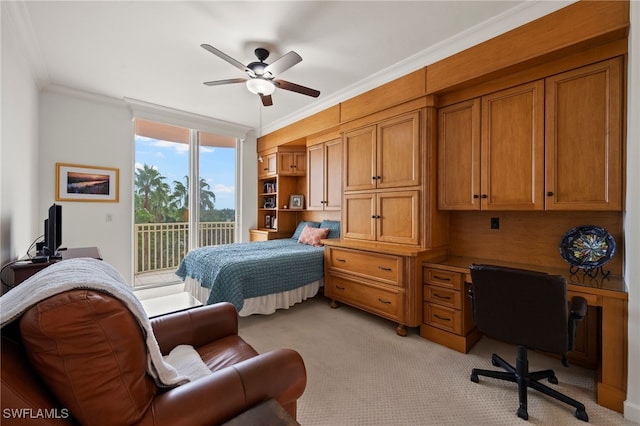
217 190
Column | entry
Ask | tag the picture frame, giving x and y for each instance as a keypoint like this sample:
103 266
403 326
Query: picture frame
296 202
76 182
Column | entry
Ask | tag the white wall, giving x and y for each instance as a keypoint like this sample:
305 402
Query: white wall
79 128
632 217
19 210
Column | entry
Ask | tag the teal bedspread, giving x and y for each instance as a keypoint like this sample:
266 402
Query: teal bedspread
235 272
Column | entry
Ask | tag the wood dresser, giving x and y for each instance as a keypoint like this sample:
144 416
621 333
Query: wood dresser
381 279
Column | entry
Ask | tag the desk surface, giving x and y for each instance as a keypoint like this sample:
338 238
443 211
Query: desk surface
611 286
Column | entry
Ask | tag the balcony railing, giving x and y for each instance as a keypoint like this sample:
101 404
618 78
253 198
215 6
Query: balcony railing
161 246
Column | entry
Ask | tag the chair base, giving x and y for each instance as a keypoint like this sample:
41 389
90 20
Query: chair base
525 379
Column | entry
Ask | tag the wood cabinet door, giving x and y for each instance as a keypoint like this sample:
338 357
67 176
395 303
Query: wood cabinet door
292 163
267 167
315 177
584 137
459 156
358 216
333 175
512 149
398 152
359 159
397 217
324 176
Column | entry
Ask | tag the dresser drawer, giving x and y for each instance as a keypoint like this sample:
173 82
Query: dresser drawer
442 278
443 296
371 265
385 302
447 319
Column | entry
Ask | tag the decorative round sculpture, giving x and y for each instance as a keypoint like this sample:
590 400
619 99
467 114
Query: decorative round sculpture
587 247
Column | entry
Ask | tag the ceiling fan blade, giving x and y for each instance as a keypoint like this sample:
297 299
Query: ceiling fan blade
227 58
287 85
228 81
282 64
266 100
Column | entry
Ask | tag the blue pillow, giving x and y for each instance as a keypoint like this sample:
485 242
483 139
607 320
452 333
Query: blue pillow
334 228
301 226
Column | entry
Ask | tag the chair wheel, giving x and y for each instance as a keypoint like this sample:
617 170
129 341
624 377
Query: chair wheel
522 413
553 379
474 378
582 415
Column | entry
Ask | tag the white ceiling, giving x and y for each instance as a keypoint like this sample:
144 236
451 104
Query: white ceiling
150 51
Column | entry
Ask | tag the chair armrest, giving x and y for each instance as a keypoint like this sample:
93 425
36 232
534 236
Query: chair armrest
577 311
578 308
195 327
213 399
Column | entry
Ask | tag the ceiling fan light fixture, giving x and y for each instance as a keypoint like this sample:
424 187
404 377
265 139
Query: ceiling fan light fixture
260 86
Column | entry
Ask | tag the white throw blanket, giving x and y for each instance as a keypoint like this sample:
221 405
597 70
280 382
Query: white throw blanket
86 273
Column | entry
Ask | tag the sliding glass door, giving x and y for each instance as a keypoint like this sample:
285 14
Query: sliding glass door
172 215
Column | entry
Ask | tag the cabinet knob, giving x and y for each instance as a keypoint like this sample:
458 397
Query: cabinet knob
476 196
550 194
373 216
378 177
484 196
374 177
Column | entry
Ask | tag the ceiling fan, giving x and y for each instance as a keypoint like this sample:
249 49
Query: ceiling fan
261 76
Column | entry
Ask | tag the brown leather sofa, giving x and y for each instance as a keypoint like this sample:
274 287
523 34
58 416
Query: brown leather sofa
79 358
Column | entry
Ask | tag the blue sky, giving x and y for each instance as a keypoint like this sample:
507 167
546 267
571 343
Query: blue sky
217 166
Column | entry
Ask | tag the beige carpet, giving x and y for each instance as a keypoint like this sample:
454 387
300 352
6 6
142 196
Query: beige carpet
361 373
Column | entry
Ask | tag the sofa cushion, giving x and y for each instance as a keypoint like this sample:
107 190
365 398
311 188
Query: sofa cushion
88 348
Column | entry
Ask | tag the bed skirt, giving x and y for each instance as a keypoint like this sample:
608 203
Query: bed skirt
263 305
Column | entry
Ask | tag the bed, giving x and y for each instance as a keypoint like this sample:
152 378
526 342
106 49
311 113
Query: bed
263 276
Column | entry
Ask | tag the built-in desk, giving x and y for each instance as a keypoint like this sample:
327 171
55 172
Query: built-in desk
609 295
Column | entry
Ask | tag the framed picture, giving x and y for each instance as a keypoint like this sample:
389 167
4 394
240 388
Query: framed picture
296 202
75 182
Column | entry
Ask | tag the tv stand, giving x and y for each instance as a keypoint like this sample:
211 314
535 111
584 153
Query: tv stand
24 269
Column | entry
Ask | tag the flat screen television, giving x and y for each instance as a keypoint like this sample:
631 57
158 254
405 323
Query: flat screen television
53 232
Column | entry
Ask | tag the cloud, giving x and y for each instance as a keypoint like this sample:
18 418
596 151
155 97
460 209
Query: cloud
223 189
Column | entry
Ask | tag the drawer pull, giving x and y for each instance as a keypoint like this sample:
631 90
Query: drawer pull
442 297
386 302
442 278
340 288
340 259
441 318
384 269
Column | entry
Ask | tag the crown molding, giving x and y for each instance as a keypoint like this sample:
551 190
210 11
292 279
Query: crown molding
513 18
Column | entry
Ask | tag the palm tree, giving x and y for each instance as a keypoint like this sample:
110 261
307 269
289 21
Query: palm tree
150 185
180 197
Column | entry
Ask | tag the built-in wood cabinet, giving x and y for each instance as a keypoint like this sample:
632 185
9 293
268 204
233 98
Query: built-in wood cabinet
267 165
382 181
384 155
384 216
292 162
584 138
552 144
491 151
324 176
447 318
275 190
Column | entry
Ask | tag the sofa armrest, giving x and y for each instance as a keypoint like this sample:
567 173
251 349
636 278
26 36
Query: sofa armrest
195 327
216 398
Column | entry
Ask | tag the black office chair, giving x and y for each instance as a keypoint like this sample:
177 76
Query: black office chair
528 309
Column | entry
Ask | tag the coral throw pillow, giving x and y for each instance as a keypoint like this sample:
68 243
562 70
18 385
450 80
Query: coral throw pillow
312 236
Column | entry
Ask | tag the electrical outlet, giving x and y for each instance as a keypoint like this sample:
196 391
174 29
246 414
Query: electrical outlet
495 223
